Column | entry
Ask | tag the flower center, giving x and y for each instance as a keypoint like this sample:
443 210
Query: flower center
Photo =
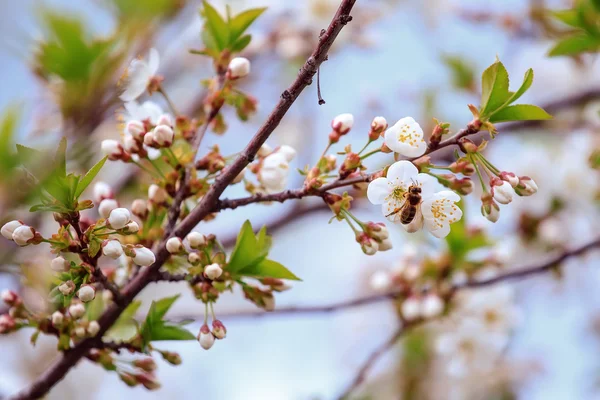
398 193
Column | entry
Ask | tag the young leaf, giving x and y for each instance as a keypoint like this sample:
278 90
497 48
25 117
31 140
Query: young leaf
89 177
245 250
527 81
60 159
575 44
241 43
30 158
520 112
568 17
268 269
125 327
494 88
216 25
171 332
241 22
162 306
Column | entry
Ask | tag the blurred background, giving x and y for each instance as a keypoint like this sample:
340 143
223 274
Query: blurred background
537 338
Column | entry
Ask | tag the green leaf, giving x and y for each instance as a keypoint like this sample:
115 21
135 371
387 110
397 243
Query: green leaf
162 306
94 309
89 177
245 251
216 26
494 88
30 158
241 43
568 17
527 81
171 332
94 247
463 75
268 269
520 112
8 131
126 327
60 159
241 22
576 44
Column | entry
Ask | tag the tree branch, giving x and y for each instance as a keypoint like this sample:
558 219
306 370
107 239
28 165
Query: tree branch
59 369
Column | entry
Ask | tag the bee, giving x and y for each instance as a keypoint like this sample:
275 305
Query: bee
410 206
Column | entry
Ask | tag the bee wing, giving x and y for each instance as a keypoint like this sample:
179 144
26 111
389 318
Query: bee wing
393 209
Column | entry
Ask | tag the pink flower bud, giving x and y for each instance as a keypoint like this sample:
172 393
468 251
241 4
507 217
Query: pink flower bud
502 191
102 191
106 206
205 337
342 123
147 364
213 271
7 323
219 331
9 228
112 149
368 245
112 248
526 186
163 135
132 227
165 120
10 298
194 258
76 310
510 178
136 129
156 194
130 144
139 208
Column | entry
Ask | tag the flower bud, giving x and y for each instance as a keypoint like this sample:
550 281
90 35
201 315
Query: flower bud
213 271
86 293
128 379
143 256
462 166
342 123
467 146
194 258
136 129
219 331
149 139
156 194
76 310
23 234
10 298
165 120
148 381
411 308
205 337
132 227
59 264
431 306
196 240
510 178
147 364
378 127
57 319
93 328
130 144
7 323
102 191
112 149
163 135
139 208
66 288
334 137
9 228
489 208
119 218
239 67
171 357
174 245
80 332
288 152
368 245
502 191
526 186
377 230
106 206
269 302
385 245
112 248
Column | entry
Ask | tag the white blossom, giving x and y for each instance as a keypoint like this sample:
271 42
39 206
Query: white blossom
139 74
238 67
102 190
274 172
288 152
213 271
23 234
148 110
9 228
343 123
381 281
106 206
119 218
440 211
405 137
264 150
144 256
86 293
112 249
59 264
411 308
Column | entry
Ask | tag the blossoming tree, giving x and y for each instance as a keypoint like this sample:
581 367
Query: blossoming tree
105 252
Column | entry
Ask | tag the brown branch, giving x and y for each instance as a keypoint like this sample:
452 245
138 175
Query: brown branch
42 385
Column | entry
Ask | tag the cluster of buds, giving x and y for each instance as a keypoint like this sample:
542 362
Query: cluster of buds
374 238
21 234
503 187
161 136
262 297
206 336
146 379
212 162
16 312
341 125
462 186
351 164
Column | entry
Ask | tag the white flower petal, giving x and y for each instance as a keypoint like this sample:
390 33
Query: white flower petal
416 224
406 138
402 173
428 185
378 190
153 61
